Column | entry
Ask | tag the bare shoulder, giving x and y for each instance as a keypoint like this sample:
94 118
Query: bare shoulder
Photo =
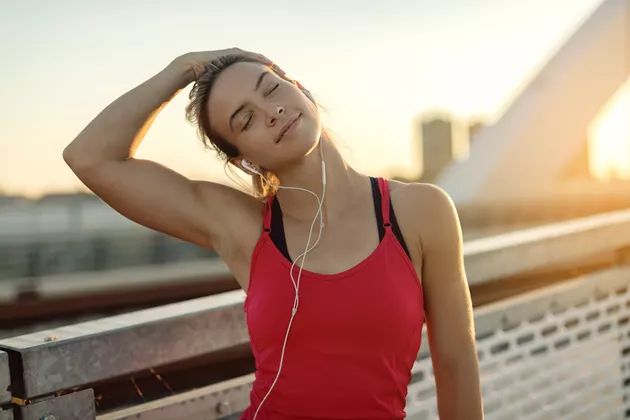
420 193
416 196
428 208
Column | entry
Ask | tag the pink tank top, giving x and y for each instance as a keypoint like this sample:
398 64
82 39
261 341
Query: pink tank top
352 342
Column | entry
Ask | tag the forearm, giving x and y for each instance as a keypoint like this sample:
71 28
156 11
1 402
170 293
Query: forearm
459 393
117 131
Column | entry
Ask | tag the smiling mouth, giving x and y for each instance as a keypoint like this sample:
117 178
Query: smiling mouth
288 128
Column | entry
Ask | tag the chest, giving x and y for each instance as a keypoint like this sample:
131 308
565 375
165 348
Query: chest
381 293
343 244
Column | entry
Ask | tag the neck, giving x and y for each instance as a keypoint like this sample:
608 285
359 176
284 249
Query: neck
343 185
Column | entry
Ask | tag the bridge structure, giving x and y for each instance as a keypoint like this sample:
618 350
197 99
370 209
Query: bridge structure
537 148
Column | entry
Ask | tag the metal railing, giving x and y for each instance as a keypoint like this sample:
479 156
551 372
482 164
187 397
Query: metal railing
540 352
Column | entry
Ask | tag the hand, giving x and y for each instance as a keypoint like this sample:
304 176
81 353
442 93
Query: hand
196 61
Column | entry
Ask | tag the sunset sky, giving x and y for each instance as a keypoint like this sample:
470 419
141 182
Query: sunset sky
374 70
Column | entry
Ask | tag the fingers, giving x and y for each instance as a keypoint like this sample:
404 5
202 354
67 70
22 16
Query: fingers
255 55
263 58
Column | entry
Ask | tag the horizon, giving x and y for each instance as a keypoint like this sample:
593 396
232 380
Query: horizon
470 63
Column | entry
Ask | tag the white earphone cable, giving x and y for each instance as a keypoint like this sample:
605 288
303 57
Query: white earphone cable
303 256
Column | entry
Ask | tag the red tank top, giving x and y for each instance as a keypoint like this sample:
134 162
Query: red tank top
352 342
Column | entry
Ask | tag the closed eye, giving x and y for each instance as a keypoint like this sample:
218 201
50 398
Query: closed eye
274 88
251 113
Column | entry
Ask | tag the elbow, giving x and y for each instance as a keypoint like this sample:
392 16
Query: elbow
80 156
78 161
68 156
72 159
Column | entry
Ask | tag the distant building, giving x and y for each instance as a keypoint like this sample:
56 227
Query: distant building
474 127
441 139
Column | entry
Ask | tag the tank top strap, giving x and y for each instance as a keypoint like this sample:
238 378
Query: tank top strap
382 184
267 214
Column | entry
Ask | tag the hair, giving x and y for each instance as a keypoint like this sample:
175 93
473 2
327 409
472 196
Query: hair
197 113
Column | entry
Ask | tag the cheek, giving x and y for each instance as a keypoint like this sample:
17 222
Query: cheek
253 140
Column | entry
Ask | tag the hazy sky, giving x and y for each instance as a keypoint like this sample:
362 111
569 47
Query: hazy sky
373 69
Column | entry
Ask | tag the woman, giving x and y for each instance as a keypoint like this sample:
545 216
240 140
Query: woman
349 319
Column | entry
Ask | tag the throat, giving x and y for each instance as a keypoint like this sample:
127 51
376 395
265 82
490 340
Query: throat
335 207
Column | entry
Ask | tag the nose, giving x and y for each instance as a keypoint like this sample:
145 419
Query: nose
277 112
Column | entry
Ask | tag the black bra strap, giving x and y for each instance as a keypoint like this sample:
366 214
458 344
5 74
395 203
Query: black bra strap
277 226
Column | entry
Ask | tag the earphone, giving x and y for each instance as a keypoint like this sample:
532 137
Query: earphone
251 167
256 169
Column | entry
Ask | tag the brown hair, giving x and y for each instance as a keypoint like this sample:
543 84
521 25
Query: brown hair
197 112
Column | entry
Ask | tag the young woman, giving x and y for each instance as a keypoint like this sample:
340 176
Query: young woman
335 322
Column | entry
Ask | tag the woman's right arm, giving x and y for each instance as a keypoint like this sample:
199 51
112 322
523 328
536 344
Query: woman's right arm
102 157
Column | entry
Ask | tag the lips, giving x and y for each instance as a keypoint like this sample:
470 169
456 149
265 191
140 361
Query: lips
287 126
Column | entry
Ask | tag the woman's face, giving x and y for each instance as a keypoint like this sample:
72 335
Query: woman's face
243 108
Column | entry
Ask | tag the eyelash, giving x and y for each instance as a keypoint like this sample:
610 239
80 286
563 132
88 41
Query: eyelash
250 118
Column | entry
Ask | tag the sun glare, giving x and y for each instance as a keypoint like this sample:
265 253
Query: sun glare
609 138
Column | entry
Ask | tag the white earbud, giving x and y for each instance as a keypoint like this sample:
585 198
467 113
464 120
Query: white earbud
251 166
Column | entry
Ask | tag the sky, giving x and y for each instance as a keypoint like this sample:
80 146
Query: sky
374 69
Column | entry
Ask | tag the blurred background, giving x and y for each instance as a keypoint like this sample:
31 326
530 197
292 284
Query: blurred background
519 110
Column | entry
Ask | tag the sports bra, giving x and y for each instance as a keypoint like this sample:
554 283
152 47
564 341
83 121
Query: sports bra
277 226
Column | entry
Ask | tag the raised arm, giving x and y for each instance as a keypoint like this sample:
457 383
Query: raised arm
102 157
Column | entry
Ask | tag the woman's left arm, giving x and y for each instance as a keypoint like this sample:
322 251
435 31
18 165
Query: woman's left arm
448 308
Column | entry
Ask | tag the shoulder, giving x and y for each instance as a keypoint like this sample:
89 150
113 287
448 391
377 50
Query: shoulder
231 210
420 196
430 209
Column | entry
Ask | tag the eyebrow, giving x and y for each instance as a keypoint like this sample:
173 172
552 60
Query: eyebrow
240 108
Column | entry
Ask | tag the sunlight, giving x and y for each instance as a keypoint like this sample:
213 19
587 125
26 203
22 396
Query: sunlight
609 138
